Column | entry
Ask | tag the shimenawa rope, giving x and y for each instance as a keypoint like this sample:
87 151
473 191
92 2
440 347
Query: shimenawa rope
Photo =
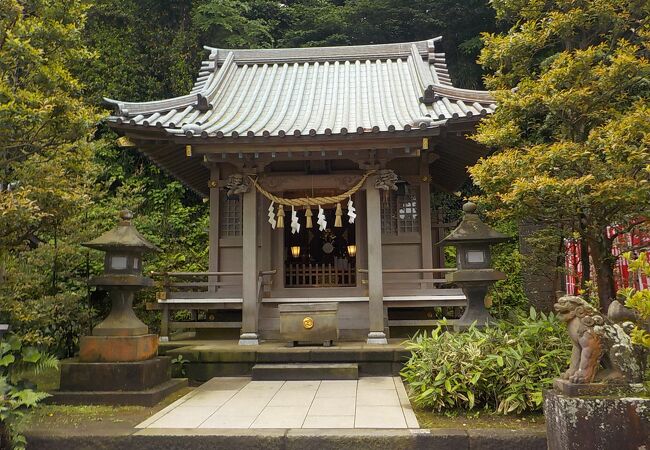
311 201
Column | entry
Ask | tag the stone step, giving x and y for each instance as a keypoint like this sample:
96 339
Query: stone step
306 371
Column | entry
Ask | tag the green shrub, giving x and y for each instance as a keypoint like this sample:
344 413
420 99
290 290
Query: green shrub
51 322
638 300
503 368
508 295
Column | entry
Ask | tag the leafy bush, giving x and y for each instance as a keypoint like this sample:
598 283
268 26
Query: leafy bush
508 296
53 322
17 394
638 300
503 367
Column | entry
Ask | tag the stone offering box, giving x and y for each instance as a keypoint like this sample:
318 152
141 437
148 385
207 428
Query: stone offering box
309 323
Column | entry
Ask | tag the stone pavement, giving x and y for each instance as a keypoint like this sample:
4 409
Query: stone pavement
372 402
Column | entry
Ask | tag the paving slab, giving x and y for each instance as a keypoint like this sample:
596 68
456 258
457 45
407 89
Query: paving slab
184 417
333 406
210 398
379 417
372 383
336 422
377 397
375 402
281 417
228 421
337 388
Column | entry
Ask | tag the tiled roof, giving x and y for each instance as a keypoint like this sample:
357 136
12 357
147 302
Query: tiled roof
312 91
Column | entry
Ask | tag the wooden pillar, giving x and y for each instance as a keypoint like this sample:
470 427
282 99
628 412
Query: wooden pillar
164 324
375 266
213 232
250 272
424 207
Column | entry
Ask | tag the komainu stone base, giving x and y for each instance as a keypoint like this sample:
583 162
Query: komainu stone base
596 422
118 348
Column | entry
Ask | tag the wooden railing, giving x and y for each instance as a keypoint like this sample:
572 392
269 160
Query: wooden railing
439 230
422 282
319 275
402 312
203 282
182 291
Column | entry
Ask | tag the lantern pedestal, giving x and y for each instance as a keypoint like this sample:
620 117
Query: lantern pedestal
118 348
121 321
475 284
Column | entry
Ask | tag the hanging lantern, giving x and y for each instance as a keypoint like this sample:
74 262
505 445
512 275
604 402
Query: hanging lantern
280 216
352 250
339 212
308 216
295 251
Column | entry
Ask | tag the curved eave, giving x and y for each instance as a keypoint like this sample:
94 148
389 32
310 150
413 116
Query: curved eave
432 128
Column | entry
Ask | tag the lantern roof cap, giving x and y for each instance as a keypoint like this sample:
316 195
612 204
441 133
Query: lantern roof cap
473 230
123 236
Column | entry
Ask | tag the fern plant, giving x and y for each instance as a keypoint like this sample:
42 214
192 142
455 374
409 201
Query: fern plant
17 394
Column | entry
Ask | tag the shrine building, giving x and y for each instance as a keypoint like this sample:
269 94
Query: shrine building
318 164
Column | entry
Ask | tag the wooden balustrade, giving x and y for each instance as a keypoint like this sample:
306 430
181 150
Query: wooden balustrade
319 275
422 282
201 281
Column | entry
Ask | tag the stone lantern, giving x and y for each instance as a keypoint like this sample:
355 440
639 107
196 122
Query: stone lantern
4 328
119 362
472 239
121 336
122 277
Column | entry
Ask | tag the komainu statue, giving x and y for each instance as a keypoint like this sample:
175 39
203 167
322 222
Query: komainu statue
598 340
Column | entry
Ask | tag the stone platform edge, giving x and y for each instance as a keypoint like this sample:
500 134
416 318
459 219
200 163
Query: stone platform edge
204 362
298 439
148 397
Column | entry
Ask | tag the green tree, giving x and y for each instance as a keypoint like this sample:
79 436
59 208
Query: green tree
44 122
46 166
571 133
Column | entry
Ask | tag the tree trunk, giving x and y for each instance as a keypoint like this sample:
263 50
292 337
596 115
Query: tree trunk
600 247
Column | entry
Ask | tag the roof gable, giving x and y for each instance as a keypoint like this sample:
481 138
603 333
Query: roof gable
312 91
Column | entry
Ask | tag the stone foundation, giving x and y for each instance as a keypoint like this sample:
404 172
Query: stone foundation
596 422
114 376
116 383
